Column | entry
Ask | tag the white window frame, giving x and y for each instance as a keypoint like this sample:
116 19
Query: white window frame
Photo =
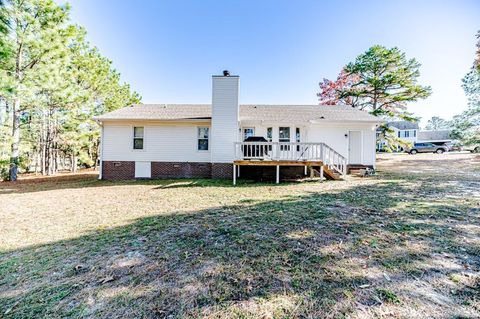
269 139
285 147
298 137
247 128
198 138
289 134
133 139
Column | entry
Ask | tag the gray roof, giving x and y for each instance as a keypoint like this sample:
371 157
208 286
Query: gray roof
438 135
404 125
274 113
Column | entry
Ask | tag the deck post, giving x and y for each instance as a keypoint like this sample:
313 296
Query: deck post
238 171
321 173
277 180
305 171
234 174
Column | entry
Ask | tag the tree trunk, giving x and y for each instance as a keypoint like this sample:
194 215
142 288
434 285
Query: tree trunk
14 157
56 159
73 163
39 161
15 140
44 151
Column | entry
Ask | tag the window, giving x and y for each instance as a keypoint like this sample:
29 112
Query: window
398 133
269 134
407 133
248 132
284 136
138 133
414 133
297 138
202 138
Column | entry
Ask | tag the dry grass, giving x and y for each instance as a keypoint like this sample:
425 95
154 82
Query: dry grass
398 245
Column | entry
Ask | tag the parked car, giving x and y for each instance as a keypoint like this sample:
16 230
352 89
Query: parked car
456 146
449 146
427 148
474 148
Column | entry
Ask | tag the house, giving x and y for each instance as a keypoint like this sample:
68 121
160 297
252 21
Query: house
410 132
183 140
405 130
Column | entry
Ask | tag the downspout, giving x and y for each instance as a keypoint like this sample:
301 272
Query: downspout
101 152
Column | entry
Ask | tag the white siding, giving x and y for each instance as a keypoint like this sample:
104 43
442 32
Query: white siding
170 142
369 145
224 118
332 134
412 138
162 143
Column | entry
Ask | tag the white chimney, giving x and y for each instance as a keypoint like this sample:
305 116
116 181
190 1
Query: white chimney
224 130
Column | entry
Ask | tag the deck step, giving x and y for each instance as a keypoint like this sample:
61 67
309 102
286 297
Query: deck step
329 174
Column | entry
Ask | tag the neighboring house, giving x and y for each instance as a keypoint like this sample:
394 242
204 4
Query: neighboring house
183 140
410 132
405 130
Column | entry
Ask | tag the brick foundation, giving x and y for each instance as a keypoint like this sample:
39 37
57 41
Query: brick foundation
125 170
181 170
118 170
222 170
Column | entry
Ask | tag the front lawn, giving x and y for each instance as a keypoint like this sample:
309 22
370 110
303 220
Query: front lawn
402 244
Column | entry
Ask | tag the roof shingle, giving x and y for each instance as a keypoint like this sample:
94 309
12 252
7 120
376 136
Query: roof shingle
273 113
438 135
404 125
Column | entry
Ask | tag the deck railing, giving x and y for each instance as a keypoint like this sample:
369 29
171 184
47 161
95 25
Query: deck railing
291 151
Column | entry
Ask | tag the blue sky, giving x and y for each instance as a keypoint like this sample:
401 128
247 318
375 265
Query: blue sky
167 50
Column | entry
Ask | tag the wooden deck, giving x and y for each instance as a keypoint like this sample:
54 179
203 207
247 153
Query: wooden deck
332 164
276 163
325 171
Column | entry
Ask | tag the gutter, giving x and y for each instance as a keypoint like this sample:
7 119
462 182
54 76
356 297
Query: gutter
194 119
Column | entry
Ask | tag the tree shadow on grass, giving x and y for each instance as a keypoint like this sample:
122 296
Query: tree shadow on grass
330 254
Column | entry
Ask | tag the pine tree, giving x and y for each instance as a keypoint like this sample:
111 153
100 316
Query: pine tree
35 34
52 82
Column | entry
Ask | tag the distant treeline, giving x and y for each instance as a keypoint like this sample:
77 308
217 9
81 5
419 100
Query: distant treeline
52 82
